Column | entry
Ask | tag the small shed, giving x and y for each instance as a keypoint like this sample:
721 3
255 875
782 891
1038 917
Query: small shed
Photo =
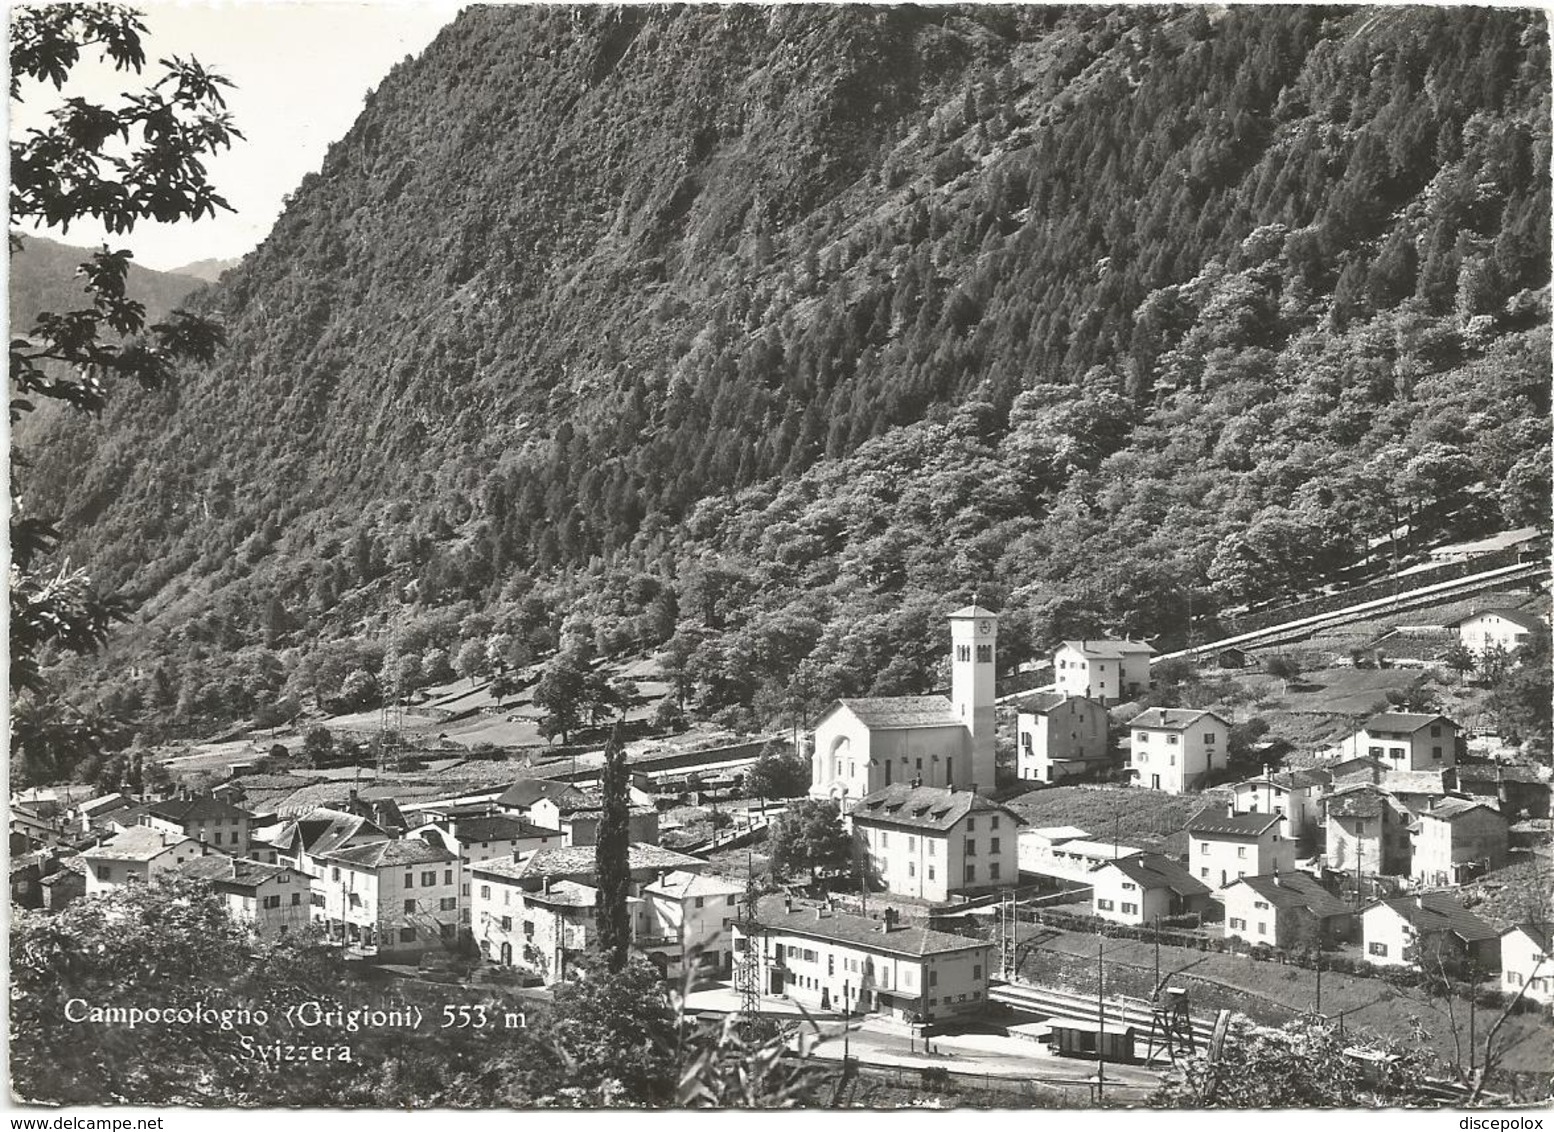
1087 1039
1231 658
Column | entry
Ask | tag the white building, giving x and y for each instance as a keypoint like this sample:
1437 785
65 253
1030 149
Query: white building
695 913
927 842
1224 847
1106 670
1289 910
218 824
135 856
1414 931
836 961
1404 740
393 897
1060 737
1506 629
862 745
1066 853
1175 749
1296 796
1527 960
272 899
1145 887
1457 840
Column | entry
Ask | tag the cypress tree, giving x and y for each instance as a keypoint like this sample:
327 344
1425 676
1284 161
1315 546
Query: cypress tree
610 856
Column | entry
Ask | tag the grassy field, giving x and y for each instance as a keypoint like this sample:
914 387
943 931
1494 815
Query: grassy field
1272 994
1335 691
1134 816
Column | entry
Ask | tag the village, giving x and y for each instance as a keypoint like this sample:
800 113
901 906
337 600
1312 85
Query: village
960 927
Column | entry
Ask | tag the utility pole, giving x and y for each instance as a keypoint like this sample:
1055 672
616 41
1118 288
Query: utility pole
1472 1018
847 1029
1157 953
1100 1009
1318 1009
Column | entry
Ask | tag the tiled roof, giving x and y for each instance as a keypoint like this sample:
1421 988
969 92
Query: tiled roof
1516 616
565 894
234 872
1412 782
527 791
1152 870
96 807
1356 802
860 931
886 713
1432 912
182 811
386 854
1040 703
1450 809
141 843
1490 775
1295 890
1217 822
1172 719
497 827
324 830
1405 721
973 611
579 861
1105 649
925 807
1292 779
682 885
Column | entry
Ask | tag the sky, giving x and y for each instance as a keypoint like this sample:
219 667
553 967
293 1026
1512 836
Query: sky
302 70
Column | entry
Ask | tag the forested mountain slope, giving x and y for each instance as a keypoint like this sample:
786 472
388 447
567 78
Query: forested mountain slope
42 277
764 336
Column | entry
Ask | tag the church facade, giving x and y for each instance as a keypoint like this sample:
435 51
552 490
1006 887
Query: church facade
863 745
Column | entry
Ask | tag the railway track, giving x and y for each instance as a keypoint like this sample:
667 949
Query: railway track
1082 1008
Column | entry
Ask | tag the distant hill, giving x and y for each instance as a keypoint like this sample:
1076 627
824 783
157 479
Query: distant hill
762 337
210 270
43 278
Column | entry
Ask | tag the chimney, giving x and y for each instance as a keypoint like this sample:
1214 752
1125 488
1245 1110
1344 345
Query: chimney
973 787
1230 809
663 875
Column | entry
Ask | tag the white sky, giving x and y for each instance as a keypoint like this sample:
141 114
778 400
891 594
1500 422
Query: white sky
301 69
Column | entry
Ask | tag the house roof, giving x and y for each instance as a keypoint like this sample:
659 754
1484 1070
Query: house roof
565 894
139 843
1412 782
1107 649
1492 775
1362 801
681 885
94 807
1216 823
579 861
1432 912
936 808
1172 719
1302 779
232 872
323 830
387 854
973 611
1056 833
889 713
1153 870
1450 809
860 931
1406 721
1040 703
1520 617
527 791
1295 890
200 808
496 827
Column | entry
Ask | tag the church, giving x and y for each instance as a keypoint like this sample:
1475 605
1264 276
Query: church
862 745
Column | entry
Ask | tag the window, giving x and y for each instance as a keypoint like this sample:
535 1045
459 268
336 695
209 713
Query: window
272 901
992 845
1130 909
971 824
409 880
406 935
1260 905
1374 752
933 978
1435 731
1376 948
447 876
216 837
334 874
296 899
1241 851
971 873
448 903
1173 740
911 869
429 878
1208 737
995 822
933 848
984 654
1103 904
1237 924
409 905
316 899
1435 752
1262 928
911 843
971 847
1129 886
976 971
104 873
1143 756
993 871
1398 752
1203 846
930 872
1203 872
1141 737
485 892
884 839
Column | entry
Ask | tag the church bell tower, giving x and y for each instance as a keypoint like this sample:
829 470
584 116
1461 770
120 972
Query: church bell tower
973 647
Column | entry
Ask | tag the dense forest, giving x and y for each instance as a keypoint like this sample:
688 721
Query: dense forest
760 338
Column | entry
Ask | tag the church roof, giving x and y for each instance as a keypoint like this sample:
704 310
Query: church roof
973 611
886 713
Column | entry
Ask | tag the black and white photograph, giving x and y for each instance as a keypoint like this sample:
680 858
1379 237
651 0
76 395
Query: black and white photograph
783 556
